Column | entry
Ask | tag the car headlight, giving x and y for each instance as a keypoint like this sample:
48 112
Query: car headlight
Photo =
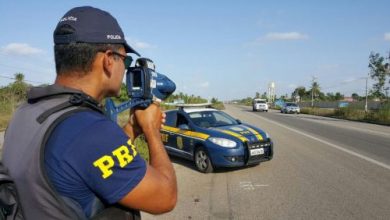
223 142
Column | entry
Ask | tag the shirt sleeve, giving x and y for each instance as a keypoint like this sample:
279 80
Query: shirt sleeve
106 160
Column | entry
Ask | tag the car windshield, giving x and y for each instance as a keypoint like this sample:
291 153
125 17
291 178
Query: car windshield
207 119
260 101
291 104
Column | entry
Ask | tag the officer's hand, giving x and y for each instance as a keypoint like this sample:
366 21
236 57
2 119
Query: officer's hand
151 118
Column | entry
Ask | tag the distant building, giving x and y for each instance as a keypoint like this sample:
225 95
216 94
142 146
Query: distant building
271 92
348 99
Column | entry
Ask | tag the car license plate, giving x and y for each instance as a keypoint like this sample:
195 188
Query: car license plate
258 151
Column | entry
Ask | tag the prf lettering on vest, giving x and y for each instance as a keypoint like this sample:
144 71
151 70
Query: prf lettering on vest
122 155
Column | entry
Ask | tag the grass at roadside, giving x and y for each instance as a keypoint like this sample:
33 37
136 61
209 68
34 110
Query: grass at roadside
4 120
6 111
381 116
318 111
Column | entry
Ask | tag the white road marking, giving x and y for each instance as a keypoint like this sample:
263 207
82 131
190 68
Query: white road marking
261 185
330 144
247 185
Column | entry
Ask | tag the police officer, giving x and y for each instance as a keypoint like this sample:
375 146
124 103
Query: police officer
68 160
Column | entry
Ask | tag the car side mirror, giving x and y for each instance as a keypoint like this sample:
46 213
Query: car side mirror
238 121
184 127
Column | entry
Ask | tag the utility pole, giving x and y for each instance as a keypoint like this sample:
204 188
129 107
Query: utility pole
312 91
366 106
387 69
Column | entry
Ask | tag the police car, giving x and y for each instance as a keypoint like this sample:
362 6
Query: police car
212 138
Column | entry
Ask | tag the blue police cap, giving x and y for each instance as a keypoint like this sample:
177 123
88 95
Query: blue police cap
91 25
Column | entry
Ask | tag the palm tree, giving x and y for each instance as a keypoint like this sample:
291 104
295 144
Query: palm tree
299 91
19 87
315 91
19 77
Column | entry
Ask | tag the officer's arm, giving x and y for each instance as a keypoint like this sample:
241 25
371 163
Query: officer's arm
157 191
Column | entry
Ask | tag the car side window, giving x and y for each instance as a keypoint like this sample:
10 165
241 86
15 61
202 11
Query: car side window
171 118
182 122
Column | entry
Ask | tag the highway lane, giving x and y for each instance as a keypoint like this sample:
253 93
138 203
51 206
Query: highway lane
309 178
368 140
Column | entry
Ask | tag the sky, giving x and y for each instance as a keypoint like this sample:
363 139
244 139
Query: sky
220 49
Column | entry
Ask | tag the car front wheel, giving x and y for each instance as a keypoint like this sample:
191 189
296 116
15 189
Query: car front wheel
202 161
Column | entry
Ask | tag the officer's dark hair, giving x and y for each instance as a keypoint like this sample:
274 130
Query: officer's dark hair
77 57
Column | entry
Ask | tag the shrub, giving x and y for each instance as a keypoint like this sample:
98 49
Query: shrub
318 111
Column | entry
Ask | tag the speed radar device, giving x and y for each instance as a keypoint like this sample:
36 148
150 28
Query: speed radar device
144 86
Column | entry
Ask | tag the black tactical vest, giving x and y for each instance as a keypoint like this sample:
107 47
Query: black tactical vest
23 152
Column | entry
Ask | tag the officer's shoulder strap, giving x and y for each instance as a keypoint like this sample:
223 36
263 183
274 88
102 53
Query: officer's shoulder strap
72 97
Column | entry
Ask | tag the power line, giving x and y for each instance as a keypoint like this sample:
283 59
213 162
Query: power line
20 68
22 57
344 83
13 78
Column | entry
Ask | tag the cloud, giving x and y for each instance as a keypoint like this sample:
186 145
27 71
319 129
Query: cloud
142 45
387 36
20 49
285 36
292 86
329 66
137 44
205 84
352 79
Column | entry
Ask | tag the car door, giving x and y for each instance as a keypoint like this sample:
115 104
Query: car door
184 140
169 132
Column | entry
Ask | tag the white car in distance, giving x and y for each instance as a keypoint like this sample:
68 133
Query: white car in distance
259 105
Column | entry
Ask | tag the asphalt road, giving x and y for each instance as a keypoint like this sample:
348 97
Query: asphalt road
322 169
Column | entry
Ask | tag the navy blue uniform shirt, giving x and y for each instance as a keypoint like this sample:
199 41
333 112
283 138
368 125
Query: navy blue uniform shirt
88 155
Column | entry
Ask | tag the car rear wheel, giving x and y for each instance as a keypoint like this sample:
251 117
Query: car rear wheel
202 161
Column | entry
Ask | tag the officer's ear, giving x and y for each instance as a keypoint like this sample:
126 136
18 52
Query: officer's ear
108 63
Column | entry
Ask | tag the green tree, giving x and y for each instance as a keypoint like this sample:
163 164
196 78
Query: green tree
246 101
330 96
19 87
338 96
299 91
355 96
264 95
315 89
379 73
257 95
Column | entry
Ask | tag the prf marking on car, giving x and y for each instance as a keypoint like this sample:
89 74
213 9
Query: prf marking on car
164 137
240 134
179 142
259 137
245 132
191 134
234 134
